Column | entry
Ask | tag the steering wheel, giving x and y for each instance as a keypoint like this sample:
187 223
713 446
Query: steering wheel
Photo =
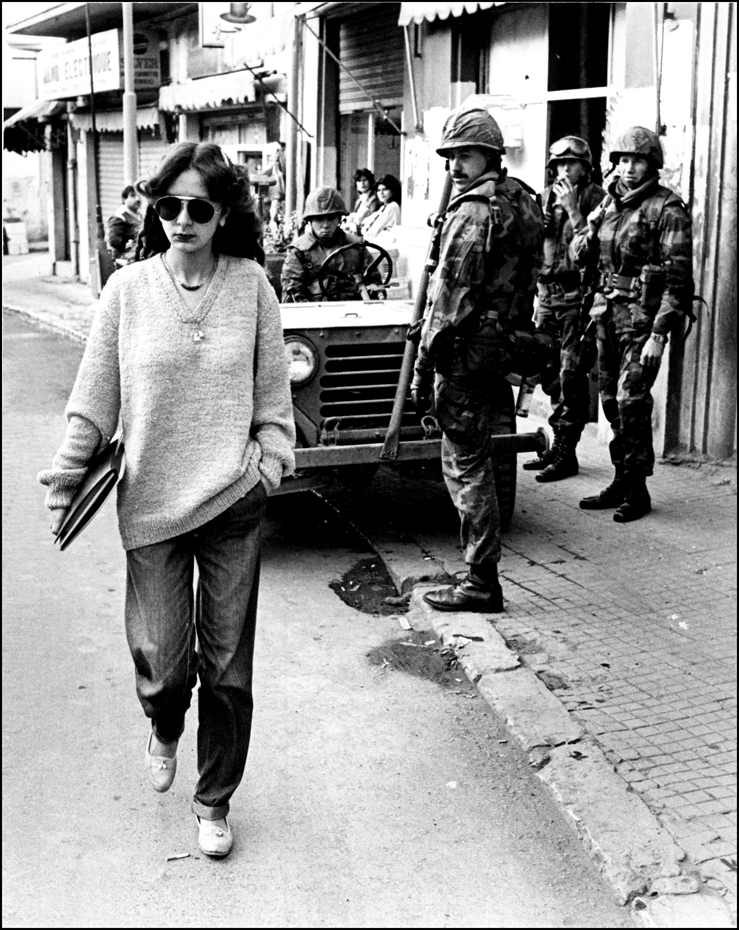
327 269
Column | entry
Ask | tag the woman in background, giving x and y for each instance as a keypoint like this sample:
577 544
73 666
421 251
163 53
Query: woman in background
378 227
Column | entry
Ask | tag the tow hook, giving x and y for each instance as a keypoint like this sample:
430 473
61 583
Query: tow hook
430 426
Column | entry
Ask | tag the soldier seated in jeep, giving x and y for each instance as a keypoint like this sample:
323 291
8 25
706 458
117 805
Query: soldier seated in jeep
352 273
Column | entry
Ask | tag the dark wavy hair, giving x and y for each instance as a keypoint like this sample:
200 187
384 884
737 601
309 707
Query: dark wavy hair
393 185
364 173
225 183
127 191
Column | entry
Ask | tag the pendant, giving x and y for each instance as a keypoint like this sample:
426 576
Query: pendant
198 336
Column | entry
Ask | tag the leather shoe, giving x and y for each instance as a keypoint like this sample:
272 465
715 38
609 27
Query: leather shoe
215 837
161 769
469 594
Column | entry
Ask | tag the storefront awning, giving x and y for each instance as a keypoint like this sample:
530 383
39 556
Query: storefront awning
112 120
24 131
219 90
418 12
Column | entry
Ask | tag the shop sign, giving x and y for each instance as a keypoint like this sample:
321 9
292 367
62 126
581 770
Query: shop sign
64 71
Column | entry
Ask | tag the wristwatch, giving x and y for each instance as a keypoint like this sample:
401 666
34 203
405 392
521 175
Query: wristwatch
658 338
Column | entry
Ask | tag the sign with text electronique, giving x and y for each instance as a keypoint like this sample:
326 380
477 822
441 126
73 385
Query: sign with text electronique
64 71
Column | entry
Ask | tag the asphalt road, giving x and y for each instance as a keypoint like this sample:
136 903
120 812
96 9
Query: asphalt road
372 798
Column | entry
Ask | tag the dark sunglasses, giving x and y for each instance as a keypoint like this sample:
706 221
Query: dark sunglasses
200 211
569 144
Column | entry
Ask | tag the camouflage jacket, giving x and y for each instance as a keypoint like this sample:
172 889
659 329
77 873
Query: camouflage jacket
303 262
644 232
557 267
489 252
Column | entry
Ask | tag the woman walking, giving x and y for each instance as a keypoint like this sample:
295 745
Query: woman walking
186 349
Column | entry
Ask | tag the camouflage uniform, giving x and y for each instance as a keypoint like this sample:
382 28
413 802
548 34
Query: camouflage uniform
560 296
647 232
303 262
485 280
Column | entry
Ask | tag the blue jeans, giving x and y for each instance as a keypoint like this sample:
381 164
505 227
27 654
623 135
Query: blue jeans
162 620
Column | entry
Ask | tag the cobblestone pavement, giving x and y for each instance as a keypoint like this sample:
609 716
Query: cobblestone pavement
632 626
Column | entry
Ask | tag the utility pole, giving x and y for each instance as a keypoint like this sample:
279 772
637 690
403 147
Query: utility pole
130 141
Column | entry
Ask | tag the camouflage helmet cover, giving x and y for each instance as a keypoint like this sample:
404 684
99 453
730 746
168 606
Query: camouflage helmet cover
323 201
638 141
569 147
467 127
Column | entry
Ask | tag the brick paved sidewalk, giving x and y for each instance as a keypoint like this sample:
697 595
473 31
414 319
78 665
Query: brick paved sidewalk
631 626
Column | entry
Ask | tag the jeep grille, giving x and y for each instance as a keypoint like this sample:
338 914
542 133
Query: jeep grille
358 388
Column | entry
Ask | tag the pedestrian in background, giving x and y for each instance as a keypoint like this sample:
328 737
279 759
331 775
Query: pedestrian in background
366 203
379 226
566 202
641 237
124 226
483 286
186 350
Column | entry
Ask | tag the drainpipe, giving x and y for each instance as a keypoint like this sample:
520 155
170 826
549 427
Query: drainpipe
74 229
411 78
130 141
291 147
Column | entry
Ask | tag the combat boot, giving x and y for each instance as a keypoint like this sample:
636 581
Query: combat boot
612 496
636 504
565 463
541 461
472 593
542 458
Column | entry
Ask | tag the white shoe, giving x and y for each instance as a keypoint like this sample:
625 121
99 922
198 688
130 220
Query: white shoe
215 837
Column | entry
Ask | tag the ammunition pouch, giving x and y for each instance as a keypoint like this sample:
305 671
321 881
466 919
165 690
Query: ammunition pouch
620 287
565 287
653 279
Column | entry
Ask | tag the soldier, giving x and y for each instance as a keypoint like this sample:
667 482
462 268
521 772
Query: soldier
482 288
324 208
641 234
566 203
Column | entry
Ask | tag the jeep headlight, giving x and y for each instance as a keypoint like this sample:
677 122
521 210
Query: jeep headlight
302 360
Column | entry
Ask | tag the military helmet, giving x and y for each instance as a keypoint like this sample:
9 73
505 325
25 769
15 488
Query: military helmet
323 201
639 141
465 127
570 147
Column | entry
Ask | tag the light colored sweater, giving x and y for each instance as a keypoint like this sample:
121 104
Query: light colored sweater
202 422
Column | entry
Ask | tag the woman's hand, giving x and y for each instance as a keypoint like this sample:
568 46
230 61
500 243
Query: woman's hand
57 518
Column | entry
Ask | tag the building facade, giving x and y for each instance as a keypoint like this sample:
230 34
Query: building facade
547 69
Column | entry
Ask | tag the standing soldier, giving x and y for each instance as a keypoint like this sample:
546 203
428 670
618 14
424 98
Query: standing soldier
483 286
566 203
641 234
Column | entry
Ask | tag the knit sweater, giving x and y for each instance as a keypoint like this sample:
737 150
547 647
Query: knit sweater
202 422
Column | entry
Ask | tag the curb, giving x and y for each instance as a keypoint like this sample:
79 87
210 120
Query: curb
638 857
48 322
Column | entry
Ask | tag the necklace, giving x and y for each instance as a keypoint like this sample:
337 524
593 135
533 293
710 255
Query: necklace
197 334
190 287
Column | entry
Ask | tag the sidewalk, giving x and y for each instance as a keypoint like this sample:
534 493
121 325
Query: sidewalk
614 663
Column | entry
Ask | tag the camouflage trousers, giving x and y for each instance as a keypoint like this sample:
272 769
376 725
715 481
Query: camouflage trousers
569 391
625 388
466 406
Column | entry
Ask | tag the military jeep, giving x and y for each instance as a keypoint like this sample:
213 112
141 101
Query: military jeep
350 366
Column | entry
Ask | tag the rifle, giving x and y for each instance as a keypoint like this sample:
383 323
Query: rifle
392 437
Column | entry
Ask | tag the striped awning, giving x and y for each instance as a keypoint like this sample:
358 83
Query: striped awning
112 120
418 12
24 131
209 93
